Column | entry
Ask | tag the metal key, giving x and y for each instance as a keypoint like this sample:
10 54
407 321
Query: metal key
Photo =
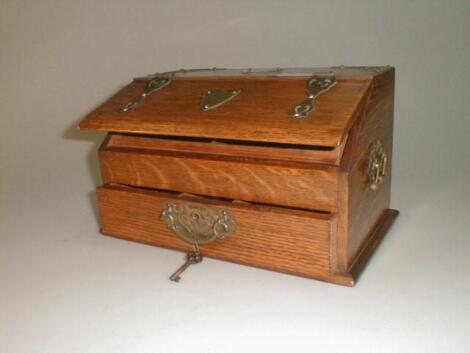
192 257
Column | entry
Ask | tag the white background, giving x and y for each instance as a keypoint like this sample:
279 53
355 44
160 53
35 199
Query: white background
65 288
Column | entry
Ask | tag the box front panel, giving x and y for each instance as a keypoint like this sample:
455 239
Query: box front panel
285 240
313 187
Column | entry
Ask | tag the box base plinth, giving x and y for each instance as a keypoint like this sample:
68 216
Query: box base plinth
377 234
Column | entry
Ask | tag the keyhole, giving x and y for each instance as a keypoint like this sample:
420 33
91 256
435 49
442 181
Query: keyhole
197 217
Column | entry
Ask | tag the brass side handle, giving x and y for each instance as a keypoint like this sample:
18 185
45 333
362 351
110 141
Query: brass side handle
377 167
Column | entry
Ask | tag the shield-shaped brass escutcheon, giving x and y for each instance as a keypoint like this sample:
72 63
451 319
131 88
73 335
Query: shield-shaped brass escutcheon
215 98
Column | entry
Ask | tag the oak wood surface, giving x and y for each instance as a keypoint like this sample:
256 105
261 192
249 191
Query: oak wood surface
279 178
284 240
259 113
299 186
221 148
360 207
373 240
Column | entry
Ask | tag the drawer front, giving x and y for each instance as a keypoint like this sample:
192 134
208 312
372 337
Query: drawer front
275 184
285 240
252 150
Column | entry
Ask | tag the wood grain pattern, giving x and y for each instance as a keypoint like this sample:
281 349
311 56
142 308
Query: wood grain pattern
310 209
373 240
361 207
222 148
283 240
293 186
259 113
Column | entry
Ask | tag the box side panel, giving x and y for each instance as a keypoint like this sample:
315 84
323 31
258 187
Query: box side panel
361 207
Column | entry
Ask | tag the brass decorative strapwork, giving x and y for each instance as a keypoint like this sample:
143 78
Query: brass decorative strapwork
315 86
152 86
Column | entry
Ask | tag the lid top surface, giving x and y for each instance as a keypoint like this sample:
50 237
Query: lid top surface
259 112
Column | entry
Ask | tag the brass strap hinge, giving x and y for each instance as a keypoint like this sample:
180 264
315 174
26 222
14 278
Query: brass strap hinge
155 84
315 86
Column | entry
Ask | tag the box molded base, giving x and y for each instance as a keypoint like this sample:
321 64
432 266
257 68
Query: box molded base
374 239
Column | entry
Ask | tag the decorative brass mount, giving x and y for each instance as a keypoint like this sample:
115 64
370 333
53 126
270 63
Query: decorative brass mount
153 85
215 98
377 165
197 223
315 86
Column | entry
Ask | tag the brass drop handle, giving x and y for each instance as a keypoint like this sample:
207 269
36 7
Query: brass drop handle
377 165
196 224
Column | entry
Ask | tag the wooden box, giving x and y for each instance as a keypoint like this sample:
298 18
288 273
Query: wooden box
283 169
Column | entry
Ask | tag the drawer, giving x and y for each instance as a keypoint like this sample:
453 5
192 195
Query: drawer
307 186
226 148
280 239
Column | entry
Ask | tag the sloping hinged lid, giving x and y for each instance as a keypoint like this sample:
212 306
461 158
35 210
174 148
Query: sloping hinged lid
249 105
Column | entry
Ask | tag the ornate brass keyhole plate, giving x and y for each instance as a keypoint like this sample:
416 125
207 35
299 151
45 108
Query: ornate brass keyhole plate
197 223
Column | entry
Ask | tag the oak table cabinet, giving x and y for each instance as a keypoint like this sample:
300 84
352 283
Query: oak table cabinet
282 169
